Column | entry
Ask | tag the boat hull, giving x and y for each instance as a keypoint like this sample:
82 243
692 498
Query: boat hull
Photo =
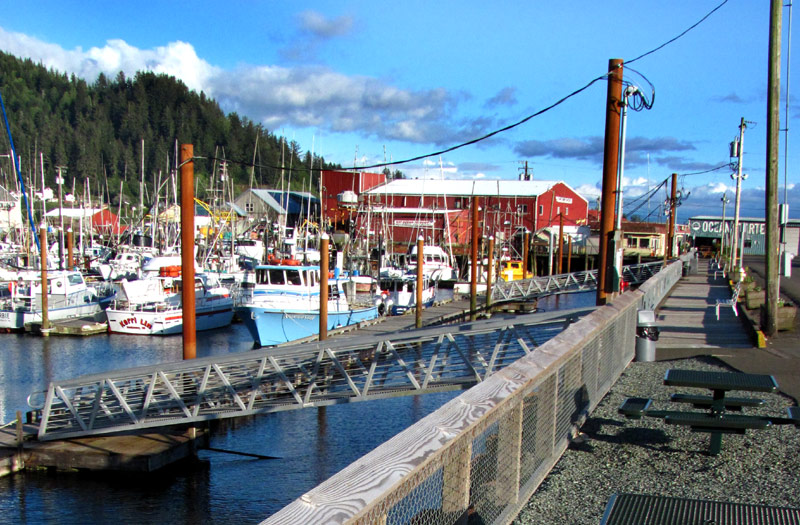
168 322
271 327
13 320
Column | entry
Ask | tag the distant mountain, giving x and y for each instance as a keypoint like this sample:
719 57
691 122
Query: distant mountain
96 132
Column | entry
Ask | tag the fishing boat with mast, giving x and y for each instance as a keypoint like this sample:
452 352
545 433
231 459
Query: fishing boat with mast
283 304
69 296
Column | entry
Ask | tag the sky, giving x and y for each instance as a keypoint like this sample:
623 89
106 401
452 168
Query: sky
365 82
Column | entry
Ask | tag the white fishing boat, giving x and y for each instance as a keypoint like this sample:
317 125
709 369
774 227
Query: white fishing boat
283 304
153 306
399 292
437 266
68 297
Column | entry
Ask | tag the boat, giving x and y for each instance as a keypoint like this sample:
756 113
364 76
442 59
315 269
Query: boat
511 270
398 292
153 306
69 296
283 303
437 264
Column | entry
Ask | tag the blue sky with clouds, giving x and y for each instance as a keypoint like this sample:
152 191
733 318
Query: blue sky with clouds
363 81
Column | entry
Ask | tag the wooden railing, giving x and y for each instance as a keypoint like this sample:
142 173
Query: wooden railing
484 453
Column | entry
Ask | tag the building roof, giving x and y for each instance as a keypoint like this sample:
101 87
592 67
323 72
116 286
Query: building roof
480 188
268 199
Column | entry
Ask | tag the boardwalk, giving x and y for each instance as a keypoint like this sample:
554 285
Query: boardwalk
687 318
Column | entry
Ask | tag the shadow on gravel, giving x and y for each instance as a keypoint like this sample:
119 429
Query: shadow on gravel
650 438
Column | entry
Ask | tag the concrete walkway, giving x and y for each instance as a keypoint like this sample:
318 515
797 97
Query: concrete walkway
689 328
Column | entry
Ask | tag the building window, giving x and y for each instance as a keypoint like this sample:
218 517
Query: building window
541 209
522 208
631 242
457 203
567 212
249 207
644 243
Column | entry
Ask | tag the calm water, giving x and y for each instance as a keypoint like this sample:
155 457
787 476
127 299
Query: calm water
311 444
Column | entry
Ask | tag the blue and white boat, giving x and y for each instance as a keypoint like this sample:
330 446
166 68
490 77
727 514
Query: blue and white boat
282 304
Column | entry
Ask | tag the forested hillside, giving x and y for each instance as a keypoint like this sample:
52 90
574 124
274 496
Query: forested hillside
98 131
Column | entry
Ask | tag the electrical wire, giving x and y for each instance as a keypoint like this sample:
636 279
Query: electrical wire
641 102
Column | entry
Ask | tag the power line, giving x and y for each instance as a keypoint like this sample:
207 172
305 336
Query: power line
641 103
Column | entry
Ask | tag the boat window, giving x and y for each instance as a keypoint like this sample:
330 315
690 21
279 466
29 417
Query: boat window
333 291
276 277
75 278
310 276
294 277
262 276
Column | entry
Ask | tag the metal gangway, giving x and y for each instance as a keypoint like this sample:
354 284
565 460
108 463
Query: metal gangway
355 368
338 370
634 274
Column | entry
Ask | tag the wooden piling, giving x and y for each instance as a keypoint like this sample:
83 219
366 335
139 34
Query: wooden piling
45 330
420 262
323 286
187 251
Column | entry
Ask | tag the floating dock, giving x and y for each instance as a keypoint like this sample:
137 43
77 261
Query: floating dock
141 453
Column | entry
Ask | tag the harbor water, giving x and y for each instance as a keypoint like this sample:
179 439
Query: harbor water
309 445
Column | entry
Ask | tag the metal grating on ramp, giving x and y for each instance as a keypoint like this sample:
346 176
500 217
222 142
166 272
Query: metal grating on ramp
642 509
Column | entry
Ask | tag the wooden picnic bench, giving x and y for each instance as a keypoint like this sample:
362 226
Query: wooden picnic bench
717 419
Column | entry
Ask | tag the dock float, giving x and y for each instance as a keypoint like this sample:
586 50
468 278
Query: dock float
140 453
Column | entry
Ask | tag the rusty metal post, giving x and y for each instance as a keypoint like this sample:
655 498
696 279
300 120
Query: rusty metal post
45 316
610 166
420 263
560 243
489 273
187 252
324 263
473 285
70 241
525 254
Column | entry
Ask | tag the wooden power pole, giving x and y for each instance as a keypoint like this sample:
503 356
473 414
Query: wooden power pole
610 165
770 325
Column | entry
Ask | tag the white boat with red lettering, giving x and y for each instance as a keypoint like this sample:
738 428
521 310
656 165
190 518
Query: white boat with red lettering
153 306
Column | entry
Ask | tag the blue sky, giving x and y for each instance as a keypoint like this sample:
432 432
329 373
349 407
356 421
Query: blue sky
363 81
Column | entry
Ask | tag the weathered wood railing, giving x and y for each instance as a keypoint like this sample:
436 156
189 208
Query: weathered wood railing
485 452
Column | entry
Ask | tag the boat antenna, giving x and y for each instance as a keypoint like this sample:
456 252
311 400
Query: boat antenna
19 174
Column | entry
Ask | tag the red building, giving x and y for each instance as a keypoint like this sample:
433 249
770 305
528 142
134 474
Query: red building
340 191
397 212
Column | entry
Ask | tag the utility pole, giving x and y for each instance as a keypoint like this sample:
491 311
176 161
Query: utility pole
672 202
737 150
610 165
773 284
725 200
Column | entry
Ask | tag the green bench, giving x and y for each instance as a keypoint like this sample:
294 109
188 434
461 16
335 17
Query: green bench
731 403
634 407
727 423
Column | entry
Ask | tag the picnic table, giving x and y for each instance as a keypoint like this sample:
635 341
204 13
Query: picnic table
716 418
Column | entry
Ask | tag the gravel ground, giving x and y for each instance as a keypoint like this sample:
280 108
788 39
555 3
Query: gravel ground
647 456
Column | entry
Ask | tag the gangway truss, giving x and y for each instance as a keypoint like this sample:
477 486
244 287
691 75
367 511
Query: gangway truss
337 370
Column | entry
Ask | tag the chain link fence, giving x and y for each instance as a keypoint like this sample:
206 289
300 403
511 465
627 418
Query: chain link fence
480 457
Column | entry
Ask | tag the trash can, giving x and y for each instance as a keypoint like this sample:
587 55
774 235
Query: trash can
646 336
693 265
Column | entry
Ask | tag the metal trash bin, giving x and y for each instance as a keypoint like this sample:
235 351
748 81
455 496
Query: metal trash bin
693 265
646 336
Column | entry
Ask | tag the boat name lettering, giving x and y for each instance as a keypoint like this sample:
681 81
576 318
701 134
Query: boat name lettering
301 316
133 320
